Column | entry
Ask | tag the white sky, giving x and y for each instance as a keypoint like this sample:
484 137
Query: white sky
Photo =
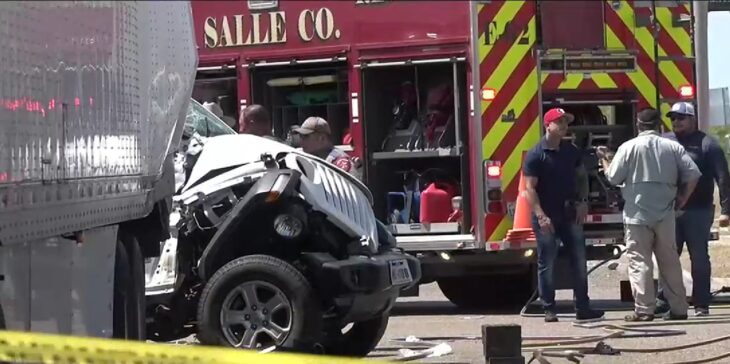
719 48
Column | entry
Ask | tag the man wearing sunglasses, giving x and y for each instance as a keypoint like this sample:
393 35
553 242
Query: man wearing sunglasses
695 220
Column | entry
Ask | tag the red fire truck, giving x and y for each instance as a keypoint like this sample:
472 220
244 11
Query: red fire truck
440 100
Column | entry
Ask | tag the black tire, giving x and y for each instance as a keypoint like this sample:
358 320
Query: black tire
122 277
2 319
488 292
359 340
306 313
129 294
139 311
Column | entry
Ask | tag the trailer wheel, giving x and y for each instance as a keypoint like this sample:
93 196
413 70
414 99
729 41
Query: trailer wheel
2 318
359 340
129 293
488 292
256 302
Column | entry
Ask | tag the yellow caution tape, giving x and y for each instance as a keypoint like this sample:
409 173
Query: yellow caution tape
22 347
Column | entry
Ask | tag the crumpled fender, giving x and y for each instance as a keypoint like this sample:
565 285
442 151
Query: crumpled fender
283 182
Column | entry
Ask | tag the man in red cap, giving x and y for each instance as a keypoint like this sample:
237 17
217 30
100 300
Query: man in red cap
557 189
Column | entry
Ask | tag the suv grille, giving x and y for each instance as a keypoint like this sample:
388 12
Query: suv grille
347 205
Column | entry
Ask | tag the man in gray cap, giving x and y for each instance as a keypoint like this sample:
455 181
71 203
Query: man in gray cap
657 177
695 219
315 138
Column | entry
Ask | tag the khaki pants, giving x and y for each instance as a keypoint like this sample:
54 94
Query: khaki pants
659 239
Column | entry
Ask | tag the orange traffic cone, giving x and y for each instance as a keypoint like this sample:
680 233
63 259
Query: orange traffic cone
523 211
522 226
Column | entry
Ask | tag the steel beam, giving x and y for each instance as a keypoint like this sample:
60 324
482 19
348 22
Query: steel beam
702 88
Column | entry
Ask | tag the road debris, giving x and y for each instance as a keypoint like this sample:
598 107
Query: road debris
432 352
472 317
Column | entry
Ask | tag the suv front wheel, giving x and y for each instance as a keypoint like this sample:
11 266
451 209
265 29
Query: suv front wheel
256 302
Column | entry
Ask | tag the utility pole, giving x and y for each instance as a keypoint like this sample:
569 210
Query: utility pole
702 86
725 101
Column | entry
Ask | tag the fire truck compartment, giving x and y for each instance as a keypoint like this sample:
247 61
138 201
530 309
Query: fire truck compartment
295 92
415 127
598 123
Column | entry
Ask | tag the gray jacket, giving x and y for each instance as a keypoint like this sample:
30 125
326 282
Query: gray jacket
649 168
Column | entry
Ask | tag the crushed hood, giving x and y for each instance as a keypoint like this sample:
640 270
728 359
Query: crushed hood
225 151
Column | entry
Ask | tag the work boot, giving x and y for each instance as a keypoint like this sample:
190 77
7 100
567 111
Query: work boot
661 309
589 316
671 316
551 316
702 311
634 317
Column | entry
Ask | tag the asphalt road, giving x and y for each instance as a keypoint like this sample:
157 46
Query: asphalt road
431 314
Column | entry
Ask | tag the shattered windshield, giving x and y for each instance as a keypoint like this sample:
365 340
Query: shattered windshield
205 123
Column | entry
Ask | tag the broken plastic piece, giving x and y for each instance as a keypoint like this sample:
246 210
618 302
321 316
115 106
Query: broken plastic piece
268 350
432 352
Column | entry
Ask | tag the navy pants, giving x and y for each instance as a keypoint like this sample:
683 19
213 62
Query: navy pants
571 235
693 229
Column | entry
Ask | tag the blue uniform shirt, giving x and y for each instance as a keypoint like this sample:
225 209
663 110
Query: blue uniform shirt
707 154
555 170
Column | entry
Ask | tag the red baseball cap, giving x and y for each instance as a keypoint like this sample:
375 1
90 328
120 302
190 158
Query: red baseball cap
556 113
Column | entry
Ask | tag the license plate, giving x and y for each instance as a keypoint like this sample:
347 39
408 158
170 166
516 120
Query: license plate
399 272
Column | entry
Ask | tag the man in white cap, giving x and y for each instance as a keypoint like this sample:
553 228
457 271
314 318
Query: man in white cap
695 220
315 138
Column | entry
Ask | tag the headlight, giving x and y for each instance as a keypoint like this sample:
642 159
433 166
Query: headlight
288 226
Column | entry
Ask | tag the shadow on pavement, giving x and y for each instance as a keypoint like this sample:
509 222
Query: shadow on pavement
440 307
428 308
565 306
432 308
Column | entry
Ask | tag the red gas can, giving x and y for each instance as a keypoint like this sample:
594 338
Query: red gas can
436 203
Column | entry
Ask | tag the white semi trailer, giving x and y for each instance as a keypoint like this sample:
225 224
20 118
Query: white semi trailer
93 97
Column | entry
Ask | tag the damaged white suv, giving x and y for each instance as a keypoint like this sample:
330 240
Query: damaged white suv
275 247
